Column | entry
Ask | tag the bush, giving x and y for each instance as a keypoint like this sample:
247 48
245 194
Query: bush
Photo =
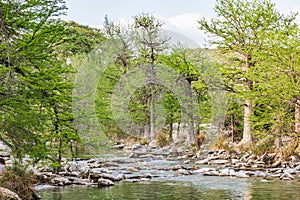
265 145
20 182
286 151
163 138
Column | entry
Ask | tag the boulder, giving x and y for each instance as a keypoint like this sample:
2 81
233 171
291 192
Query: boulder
112 177
286 176
241 174
60 181
211 173
203 170
132 169
8 194
186 161
202 162
218 162
105 182
183 172
224 172
177 167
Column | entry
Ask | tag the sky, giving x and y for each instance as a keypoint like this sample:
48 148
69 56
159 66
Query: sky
179 16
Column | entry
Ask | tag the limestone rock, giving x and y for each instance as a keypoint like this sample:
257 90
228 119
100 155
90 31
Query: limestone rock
286 176
8 194
105 182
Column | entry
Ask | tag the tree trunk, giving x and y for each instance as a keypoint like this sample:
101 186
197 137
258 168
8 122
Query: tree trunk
152 117
152 88
247 131
297 116
171 132
232 127
248 109
191 132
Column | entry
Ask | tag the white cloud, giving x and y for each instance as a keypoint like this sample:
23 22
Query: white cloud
185 21
187 25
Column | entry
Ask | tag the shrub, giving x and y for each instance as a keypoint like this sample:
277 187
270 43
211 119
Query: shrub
20 182
163 138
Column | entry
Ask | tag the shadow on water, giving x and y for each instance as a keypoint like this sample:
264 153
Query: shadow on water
190 187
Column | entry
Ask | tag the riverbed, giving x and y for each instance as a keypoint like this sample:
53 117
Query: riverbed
169 185
184 187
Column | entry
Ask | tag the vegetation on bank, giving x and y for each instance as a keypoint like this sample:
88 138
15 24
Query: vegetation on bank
255 60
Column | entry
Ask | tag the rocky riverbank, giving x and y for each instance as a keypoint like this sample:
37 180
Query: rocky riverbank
143 163
135 163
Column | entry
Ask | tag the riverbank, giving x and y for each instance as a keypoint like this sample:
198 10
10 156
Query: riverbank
140 163
136 163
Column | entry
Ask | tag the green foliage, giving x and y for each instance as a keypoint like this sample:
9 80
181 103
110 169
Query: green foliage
257 43
35 91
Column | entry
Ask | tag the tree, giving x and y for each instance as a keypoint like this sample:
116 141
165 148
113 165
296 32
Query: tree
150 44
277 83
179 61
35 92
241 27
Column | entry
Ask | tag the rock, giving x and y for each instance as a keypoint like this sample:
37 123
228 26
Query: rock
4 154
92 160
4 147
105 182
110 164
118 177
297 168
294 159
276 164
133 155
193 167
224 172
100 170
260 174
132 180
145 179
35 194
218 162
203 170
152 143
147 175
286 176
202 162
186 161
132 169
80 181
8 194
211 173
232 172
290 171
241 174
79 166
2 168
214 157
235 161
264 181
177 167
119 146
184 172
58 180
284 164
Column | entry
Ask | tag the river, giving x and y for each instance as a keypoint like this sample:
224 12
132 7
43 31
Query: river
182 187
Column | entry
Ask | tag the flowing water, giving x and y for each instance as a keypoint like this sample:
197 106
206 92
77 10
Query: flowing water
183 187
166 186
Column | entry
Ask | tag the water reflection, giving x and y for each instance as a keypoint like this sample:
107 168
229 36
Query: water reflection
189 187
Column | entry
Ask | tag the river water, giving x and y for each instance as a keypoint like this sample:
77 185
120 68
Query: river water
168 186
183 187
